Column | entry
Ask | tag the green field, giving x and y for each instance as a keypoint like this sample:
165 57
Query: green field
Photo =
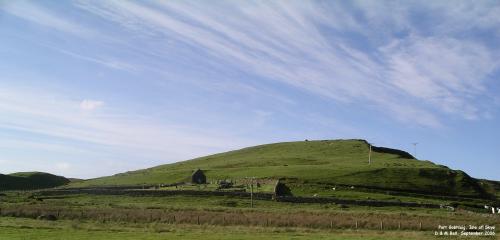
123 217
20 229
186 217
324 164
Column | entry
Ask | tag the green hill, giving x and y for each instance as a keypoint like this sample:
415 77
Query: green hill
30 180
323 163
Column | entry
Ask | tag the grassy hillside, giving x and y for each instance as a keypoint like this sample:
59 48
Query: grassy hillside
30 180
326 163
491 186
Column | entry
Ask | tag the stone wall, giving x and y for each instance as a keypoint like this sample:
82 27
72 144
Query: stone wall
155 193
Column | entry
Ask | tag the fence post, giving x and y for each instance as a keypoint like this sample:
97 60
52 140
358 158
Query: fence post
420 226
223 221
381 225
399 225
174 219
198 220
331 224
356 224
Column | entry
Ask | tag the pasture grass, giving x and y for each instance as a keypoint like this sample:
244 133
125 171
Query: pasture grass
326 163
221 210
21 228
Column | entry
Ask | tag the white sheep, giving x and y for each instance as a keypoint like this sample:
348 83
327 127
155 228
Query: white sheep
498 210
334 188
493 210
486 207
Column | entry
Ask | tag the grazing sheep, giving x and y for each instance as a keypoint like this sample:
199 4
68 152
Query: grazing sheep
334 188
442 206
493 209
48 217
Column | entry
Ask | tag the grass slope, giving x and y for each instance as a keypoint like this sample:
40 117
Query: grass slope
30 180
326 162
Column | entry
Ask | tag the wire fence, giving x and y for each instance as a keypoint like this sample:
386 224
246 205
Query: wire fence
251 218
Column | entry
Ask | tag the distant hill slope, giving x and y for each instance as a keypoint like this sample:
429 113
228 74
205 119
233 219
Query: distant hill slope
491 186
30 180
327 162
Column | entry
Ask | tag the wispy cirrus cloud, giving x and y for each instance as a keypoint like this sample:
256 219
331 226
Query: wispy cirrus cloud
268 39
445 73
39 15
304 45
109 62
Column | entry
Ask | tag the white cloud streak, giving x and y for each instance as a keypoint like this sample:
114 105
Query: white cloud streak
104 61
39 15
286 43
445 73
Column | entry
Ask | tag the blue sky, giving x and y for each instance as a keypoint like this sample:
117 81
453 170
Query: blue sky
93 88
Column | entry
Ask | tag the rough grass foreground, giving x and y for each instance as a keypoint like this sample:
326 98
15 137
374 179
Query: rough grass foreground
312 220
22 228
